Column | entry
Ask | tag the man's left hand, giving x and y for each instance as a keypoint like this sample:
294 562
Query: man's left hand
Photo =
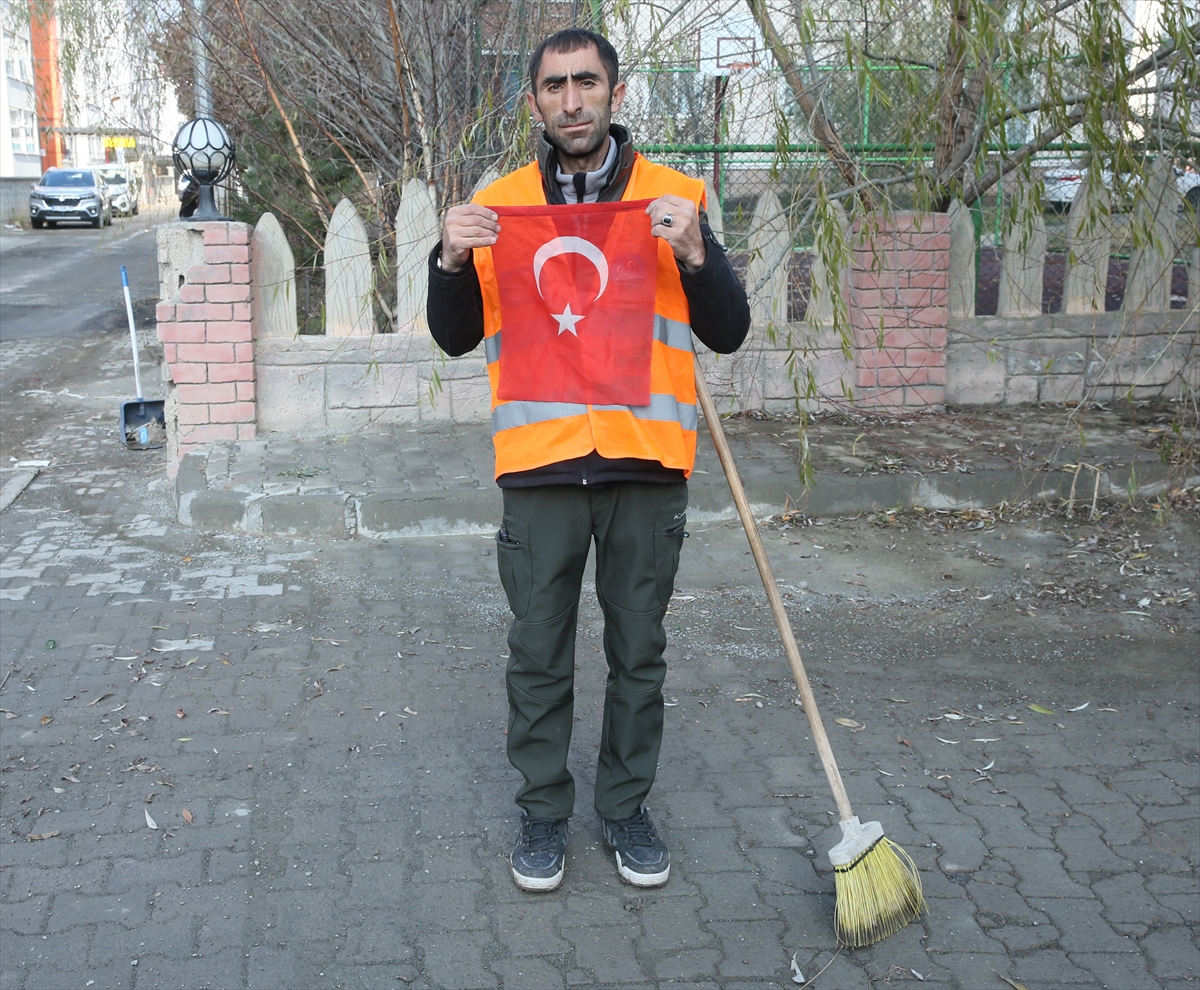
676 221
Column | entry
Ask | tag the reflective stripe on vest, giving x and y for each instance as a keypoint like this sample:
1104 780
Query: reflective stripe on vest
672 333
491 347
665 408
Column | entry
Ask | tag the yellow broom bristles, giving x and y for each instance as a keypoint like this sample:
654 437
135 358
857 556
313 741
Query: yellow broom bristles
877 895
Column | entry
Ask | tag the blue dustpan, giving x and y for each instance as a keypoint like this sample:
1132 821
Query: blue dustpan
143 423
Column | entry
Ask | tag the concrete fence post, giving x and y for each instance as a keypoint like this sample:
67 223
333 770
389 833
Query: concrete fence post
1088 247
349 301
490 175
273 272
417 229
962 260
1148 287
206 329
1024 259
770 249
899 304
820 298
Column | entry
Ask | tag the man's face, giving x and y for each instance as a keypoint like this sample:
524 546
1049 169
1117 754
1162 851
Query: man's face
574 102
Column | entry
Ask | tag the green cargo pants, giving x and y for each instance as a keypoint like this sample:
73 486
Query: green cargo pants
638 528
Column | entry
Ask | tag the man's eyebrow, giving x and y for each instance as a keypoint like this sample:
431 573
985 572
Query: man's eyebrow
586 74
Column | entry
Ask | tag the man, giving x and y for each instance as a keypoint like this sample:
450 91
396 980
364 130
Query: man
573 473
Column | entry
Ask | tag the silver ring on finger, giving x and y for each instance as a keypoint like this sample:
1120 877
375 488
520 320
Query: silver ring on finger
667 220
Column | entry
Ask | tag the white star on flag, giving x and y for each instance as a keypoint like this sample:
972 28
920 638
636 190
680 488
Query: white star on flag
567 320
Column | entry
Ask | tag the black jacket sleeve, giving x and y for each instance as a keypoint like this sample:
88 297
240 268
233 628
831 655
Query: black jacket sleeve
454 306
717 300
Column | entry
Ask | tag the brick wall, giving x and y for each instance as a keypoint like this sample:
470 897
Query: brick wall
205 328
899 296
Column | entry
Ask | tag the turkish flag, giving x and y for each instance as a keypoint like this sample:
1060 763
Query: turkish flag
576 302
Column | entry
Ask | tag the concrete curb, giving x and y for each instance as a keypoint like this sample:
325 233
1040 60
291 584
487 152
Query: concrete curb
332 513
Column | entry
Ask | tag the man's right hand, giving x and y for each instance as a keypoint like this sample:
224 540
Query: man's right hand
467 226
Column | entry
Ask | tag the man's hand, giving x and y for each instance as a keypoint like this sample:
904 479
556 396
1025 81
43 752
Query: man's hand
467 226
676 221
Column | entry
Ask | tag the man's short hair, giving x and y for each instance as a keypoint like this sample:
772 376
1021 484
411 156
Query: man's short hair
572 40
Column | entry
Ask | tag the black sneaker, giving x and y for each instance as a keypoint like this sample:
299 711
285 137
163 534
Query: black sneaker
539 855
642 858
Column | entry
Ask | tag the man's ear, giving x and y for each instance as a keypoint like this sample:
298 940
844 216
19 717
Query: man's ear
533 107
618 97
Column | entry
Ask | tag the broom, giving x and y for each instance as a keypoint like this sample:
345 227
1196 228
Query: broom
878 888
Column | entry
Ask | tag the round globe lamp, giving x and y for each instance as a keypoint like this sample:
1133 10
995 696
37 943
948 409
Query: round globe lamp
203 151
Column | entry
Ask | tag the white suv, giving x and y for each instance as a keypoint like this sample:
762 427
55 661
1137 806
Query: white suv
1062 183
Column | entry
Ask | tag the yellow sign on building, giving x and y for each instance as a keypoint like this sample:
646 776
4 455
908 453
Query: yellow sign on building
119 141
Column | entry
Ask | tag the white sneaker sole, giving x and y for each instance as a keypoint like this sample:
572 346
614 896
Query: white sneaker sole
641 879
537 884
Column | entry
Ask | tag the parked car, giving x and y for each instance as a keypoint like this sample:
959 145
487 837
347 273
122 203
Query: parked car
1061 185
70 194
122 190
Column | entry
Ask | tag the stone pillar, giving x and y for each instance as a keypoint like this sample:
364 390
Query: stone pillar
899 305
204 324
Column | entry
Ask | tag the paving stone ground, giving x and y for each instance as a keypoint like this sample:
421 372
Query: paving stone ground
330 714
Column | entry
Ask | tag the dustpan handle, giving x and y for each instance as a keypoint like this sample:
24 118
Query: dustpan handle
137 371
768 579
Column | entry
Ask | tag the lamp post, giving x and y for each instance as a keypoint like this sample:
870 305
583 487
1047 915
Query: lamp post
204 152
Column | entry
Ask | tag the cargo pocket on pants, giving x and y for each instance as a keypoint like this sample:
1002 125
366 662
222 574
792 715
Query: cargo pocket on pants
515 566
668 541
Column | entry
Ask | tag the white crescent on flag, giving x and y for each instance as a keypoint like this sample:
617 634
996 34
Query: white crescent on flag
570 245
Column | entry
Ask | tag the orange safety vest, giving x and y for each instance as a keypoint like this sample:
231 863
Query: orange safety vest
530 435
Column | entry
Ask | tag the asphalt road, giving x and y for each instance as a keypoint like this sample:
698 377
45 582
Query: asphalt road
60 297
67 281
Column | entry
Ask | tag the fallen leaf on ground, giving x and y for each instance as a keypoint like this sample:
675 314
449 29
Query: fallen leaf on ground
187 816
948 742
180 713
797 976
409 710
47 719
150 822
953 716
38 836
996 739
917 975
903 742
184 739
849 723
899 701
102 697
1106 709
1079 708
73 780
1041 710
8 714
330 670
1012 983
216 711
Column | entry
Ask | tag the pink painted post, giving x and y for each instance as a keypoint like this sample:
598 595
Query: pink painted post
899 305
208 339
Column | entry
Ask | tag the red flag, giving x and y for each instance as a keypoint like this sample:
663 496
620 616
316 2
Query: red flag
576 302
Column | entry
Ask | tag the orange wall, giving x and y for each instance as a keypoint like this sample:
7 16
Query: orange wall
43 36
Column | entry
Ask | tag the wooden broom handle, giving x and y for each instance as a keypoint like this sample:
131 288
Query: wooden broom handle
768 579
